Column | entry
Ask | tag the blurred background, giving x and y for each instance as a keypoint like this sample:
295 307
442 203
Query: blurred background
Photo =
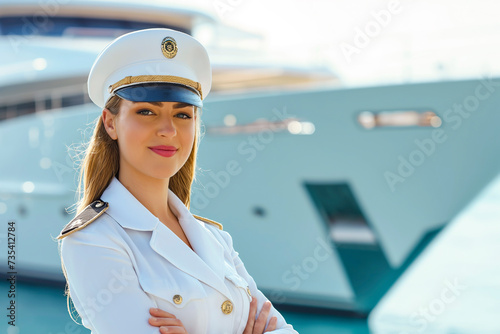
355 142
419 41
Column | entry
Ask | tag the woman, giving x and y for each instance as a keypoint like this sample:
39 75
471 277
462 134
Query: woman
135 259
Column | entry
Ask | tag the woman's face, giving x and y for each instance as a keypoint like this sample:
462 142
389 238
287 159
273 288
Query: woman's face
154 138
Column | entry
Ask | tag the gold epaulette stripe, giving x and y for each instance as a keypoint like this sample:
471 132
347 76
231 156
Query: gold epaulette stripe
74 225
156 78
206 220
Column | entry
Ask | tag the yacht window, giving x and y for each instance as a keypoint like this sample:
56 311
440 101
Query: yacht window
73 26
72 100
25 108
3 112
20 108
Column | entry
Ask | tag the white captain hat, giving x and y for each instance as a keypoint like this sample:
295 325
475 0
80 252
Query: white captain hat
152 65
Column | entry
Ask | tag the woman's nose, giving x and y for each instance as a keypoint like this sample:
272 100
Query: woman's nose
167 128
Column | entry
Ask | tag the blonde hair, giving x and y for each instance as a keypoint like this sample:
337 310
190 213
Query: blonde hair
101 163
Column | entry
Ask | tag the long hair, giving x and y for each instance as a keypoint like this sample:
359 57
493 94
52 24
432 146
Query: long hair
102 161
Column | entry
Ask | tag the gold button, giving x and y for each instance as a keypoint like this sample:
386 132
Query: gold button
227 307
177 299
248 290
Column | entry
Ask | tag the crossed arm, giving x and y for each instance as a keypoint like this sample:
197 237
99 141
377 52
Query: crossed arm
103 282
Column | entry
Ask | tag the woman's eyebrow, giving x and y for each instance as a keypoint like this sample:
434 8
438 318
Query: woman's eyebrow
158 104
182 105
178 105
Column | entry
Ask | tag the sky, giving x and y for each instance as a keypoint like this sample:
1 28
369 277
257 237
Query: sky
376 41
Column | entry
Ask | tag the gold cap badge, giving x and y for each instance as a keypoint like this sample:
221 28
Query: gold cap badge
169 47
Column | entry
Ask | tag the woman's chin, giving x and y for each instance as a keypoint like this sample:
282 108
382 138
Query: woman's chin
163 174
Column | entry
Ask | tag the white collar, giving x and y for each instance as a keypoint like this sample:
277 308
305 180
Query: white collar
126 209
206 263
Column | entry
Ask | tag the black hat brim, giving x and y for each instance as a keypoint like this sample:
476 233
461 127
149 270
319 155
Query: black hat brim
160 92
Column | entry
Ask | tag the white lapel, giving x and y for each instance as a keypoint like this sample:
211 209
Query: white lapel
206 263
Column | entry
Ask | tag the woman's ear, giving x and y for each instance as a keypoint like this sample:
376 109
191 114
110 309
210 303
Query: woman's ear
108 119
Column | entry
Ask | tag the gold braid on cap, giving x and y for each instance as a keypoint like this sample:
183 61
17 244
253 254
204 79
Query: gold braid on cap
157 78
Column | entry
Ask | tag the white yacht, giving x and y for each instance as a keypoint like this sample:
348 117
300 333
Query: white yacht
343 187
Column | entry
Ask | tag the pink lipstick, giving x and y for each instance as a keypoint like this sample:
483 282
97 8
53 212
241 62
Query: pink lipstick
164 151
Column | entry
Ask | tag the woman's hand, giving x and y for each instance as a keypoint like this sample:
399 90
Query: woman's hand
257 327
165 321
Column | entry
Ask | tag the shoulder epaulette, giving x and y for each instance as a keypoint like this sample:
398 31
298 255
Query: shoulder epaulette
206 220
87 216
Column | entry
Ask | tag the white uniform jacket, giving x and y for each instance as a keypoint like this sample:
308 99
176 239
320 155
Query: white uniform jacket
127 261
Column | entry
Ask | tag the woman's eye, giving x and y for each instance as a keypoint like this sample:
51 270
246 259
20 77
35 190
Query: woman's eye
183 115
145 112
